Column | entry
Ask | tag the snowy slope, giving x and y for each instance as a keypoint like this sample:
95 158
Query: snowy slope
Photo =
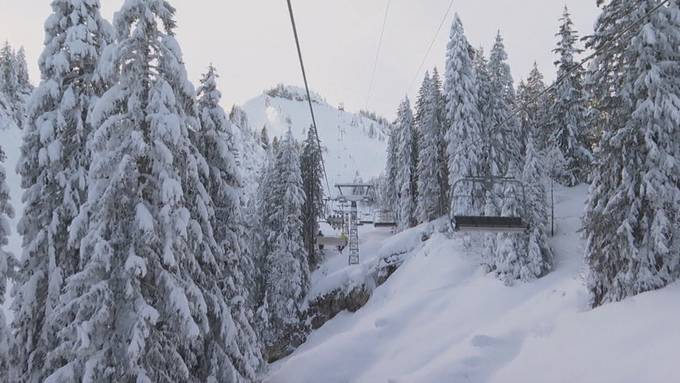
440 318
352 142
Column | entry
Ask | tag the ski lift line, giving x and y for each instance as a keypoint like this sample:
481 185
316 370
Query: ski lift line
377 53
434 39
309 97
603 48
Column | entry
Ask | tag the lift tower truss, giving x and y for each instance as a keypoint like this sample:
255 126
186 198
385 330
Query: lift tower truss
354 193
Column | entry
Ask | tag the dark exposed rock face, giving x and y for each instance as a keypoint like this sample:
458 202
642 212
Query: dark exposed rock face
326 307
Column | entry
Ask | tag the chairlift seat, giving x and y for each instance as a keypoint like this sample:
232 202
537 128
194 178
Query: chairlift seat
489 223
331 241
384 224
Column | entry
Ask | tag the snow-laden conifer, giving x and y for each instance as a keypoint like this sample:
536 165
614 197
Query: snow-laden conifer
286 265
633 211
21 67
312 211
568 112
525 256
9 79
7 263
445 126
236 274
147 304
53 165
390 189
465 135
534 110
432 181
407 161
503 130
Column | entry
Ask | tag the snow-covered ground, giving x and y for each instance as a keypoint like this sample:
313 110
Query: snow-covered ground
351 141
440 318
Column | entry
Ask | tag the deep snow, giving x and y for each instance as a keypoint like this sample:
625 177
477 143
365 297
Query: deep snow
441 318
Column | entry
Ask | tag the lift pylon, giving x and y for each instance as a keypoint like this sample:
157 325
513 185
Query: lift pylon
354 193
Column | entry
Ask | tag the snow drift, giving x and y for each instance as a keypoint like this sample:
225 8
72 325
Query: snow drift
441 318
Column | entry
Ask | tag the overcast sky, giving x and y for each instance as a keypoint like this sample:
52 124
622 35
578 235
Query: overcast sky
251 43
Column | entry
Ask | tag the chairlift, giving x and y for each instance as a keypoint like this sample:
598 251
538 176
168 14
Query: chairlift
497 224
355 193
384 218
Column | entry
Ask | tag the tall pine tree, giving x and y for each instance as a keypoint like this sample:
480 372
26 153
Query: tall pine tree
286 266
432 180
390 189
312 210
407 162
443 157
465 136
569 111
534 104
633 209
237 274
503 132
9 79
53 166
147 304
7 263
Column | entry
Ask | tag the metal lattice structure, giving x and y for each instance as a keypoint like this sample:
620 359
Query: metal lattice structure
352 194
353 235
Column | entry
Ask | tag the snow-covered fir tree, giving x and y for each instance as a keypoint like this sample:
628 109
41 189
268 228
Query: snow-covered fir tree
9 79
432 181
7 263
510 252
504 158
53 165
534 110
264 139
262 237
286 270
21 67
569 111
407 163
503 132
147 302
633 211
539 255
526 256
312 210
465 136
440 102
390 189
237 274
14 82
481 65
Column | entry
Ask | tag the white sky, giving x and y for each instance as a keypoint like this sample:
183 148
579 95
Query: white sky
251 43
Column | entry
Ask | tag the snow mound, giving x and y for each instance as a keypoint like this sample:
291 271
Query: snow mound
441 318
354 144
